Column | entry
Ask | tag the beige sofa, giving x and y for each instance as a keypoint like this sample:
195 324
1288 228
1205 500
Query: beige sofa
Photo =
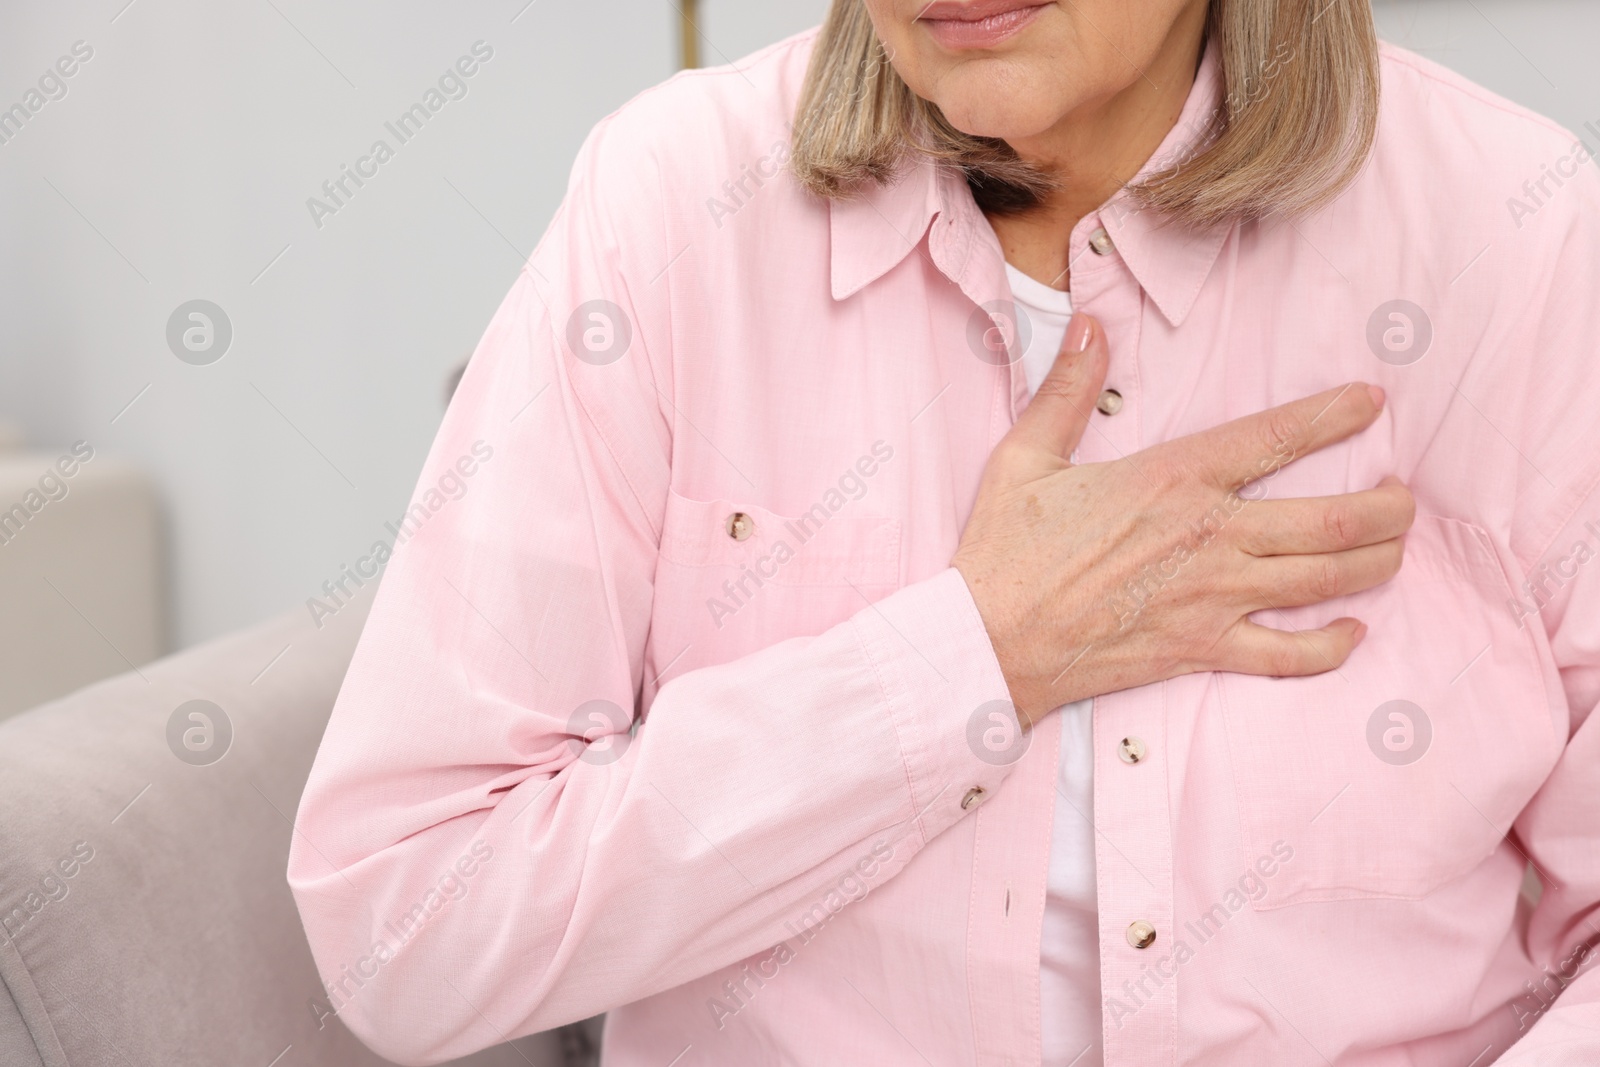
144 913
81 571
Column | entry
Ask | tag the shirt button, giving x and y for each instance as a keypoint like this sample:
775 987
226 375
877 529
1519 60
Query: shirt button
1110 402
1141 934
974 796
1100 243
740 526
1131 750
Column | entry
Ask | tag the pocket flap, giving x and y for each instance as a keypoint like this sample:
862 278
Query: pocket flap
817 547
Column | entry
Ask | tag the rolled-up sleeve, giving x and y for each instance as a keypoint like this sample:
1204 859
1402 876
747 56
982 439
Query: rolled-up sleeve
485 847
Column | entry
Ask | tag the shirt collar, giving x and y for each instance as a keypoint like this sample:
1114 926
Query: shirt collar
874 230
879 224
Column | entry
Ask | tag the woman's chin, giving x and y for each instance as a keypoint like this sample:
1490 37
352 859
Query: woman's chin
1003 123
998 109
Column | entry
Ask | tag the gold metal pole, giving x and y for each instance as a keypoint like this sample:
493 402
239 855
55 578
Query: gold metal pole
689 34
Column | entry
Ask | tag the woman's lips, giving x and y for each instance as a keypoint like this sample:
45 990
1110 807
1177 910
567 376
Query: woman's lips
978 25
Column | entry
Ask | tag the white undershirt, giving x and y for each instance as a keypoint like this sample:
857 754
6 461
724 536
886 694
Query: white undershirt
1069 945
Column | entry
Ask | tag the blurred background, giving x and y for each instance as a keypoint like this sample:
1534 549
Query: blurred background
183 160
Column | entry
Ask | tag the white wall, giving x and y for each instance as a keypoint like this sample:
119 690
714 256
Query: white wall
1540 53
189 143
178 167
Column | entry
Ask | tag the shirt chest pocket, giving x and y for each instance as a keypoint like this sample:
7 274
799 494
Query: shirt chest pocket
1404 768
734 577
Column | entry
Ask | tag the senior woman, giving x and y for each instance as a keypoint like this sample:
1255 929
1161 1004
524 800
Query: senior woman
938 593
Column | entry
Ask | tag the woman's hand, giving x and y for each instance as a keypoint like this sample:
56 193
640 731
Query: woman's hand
1105 576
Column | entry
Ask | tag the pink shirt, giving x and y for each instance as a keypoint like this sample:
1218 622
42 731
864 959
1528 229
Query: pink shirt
725 502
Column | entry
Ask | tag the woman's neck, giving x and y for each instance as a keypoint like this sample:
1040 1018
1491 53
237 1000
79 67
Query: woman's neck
1097 149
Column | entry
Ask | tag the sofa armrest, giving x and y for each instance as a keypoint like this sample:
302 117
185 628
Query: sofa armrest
144 911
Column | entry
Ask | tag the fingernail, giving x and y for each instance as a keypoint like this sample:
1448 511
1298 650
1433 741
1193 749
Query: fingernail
1079 332
1377 396
1361 631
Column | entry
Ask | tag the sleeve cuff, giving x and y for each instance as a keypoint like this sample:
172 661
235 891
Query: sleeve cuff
948 697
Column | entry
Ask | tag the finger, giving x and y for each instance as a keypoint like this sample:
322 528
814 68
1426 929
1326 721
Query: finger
1309 525
1243 450
1261 650
1059 412
1295 581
